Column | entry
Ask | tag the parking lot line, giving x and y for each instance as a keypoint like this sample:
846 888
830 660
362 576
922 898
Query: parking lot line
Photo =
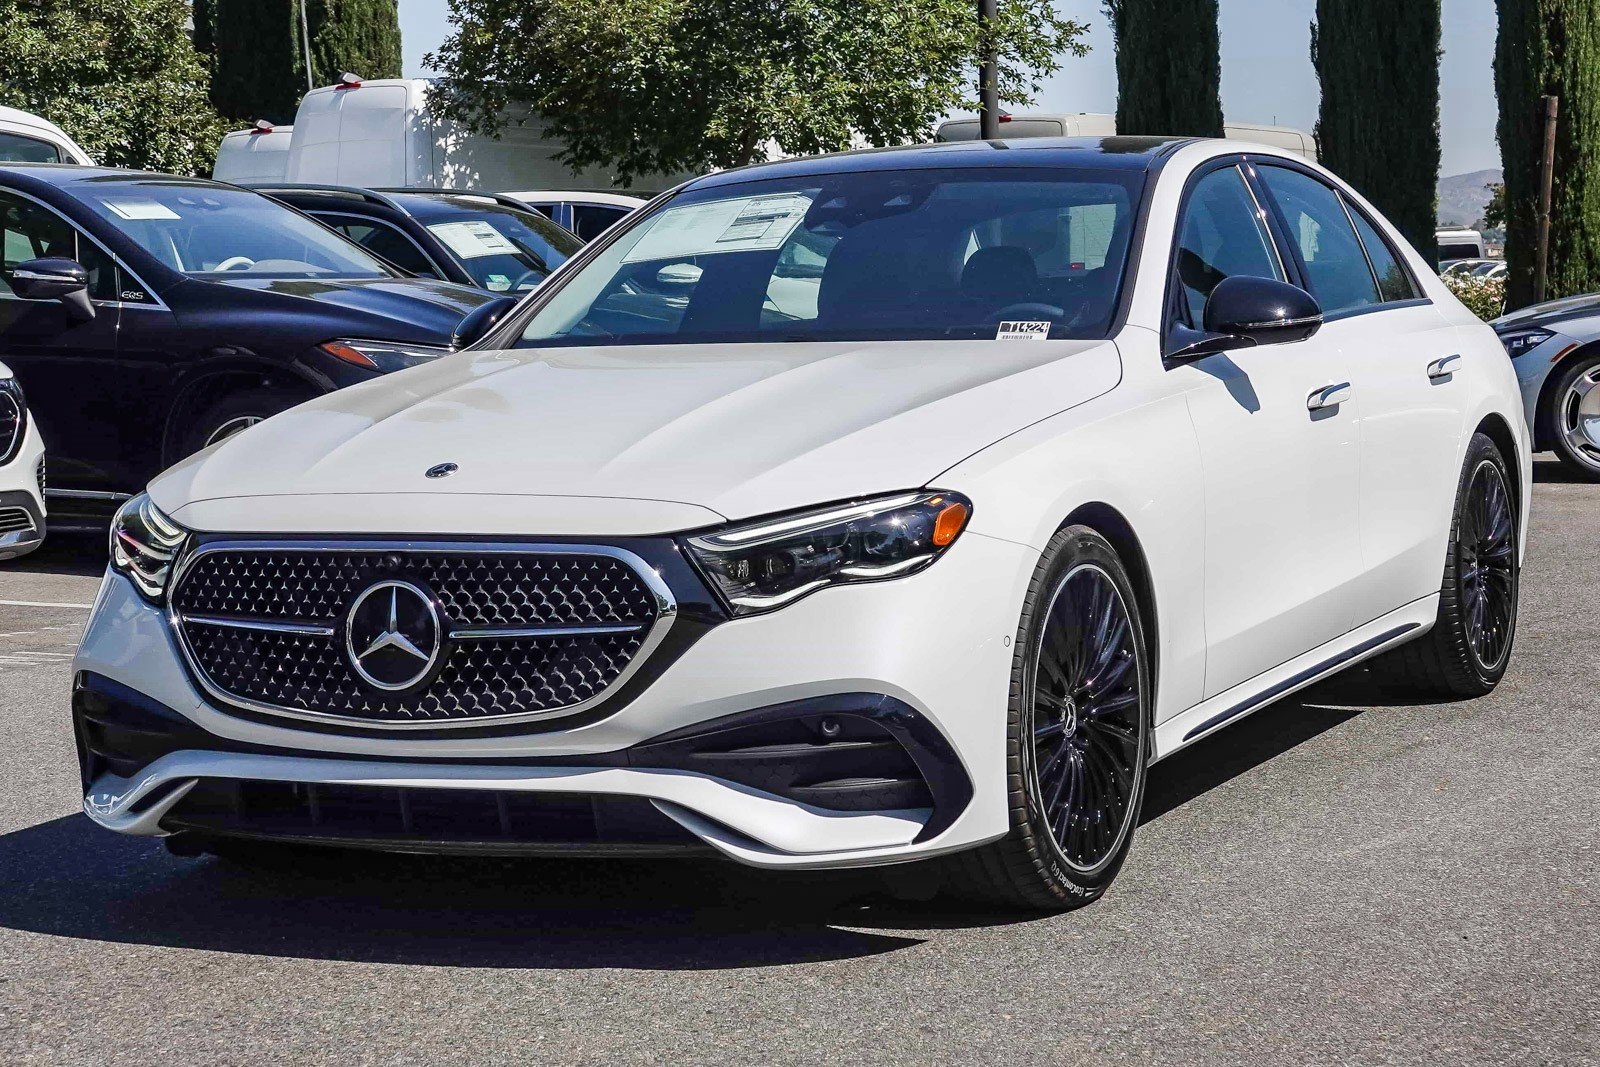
42 604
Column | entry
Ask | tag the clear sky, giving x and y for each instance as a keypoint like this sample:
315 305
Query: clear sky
1266 67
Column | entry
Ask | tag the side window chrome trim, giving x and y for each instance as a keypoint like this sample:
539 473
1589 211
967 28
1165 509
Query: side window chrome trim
155 298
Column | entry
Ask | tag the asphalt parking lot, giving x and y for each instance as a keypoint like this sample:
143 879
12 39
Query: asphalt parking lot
1340 879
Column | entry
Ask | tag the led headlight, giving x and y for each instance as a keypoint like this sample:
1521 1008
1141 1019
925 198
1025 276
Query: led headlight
767 564
144 543
1521 342
383 356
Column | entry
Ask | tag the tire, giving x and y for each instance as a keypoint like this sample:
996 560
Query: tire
1060 852
1467 651
236 412
1576 392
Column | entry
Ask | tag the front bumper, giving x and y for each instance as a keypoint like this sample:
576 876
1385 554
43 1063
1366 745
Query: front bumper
1533 369
916 668
21 482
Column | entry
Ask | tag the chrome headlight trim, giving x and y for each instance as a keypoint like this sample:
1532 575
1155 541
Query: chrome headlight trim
145 545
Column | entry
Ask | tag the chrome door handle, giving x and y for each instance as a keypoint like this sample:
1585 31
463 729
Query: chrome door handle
1443 368
1329 396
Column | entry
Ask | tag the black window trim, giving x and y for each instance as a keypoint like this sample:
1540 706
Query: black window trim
323 214
154 300
1345 202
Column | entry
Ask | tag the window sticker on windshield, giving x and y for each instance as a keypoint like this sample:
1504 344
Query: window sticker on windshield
140 210
748 224
1023 331
473 240
498 283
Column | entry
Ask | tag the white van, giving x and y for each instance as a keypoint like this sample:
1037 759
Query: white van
381 135
1087 125
27 138
1458 242
256 155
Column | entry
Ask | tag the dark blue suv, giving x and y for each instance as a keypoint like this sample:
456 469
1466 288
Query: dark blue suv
148 316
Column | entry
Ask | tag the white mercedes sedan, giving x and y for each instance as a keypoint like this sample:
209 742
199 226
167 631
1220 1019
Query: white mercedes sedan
829 513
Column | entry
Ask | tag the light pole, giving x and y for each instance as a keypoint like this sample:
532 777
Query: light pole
988 72
305 43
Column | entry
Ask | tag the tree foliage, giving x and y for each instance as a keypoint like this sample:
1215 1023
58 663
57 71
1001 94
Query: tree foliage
648 86
1169 67
260 58
1550 47
1378 62
120 76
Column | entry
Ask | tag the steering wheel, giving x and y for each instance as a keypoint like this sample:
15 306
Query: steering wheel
1028 312
516 286
236 263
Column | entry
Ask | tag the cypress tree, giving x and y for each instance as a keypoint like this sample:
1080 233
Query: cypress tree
258 72
1378 62
359 36
1169 67
1550 47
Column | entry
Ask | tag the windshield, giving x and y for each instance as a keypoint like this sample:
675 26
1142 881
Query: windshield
214 230
901 255
503 249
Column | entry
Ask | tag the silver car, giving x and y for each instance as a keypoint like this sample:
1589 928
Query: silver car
1555 348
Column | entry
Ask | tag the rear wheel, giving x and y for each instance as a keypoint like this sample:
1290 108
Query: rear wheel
1077 734
1574 417
1469 647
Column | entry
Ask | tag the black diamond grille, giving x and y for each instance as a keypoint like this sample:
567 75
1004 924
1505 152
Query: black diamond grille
479 678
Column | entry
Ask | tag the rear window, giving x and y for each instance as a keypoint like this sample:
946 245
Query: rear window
899 255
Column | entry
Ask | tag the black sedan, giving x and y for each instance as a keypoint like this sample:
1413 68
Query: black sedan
493 242
148 316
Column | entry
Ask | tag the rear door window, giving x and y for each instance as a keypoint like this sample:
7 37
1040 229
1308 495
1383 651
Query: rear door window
16 148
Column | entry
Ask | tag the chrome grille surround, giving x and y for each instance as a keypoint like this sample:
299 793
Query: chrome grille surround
504 643
13 422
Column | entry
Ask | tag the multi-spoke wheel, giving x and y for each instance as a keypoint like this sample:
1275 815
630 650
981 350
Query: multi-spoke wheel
1078 735
236 413
1466 652
1086 718
1574 417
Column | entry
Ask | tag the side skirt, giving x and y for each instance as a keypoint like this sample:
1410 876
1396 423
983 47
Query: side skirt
1230 706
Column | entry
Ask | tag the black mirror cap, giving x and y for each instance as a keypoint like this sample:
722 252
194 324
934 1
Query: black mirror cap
1263 311
480 320
65 280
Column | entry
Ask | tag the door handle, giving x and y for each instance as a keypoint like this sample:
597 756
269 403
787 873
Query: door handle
1329 396
1443 368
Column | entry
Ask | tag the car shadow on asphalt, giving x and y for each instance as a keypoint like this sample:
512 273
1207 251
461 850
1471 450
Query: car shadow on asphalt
68 878
1549 470
80 554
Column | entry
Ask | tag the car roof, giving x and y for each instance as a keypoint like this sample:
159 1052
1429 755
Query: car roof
1100 153
418 203
61 174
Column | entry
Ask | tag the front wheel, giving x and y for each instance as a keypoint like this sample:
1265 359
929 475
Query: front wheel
1077 734
235 413
1467 651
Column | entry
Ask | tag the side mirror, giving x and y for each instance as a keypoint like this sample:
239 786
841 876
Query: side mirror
55 279
1244 312
480 320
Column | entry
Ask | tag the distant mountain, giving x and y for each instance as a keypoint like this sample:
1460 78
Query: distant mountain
1463 197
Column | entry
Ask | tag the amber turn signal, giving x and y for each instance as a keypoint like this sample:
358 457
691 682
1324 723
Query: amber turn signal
952 519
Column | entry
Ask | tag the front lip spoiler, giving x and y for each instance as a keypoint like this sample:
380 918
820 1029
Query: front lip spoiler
742 822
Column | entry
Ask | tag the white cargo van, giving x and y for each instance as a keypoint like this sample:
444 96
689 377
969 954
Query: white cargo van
1459 243
256 155
1087 125
382 135
27 138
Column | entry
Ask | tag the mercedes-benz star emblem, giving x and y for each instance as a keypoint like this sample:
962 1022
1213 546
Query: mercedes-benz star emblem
393 635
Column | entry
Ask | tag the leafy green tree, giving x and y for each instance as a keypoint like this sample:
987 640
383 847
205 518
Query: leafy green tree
644 86
260 58
1169 67
120 76
1494 214
1378 62
1550 47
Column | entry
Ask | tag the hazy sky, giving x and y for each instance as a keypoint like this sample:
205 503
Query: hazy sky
1266 67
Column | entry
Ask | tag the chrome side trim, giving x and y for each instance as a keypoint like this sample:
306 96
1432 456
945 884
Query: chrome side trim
89 494
666 613
303 629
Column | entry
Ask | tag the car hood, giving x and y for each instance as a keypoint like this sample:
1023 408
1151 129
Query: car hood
704 432
437 306
1549 313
